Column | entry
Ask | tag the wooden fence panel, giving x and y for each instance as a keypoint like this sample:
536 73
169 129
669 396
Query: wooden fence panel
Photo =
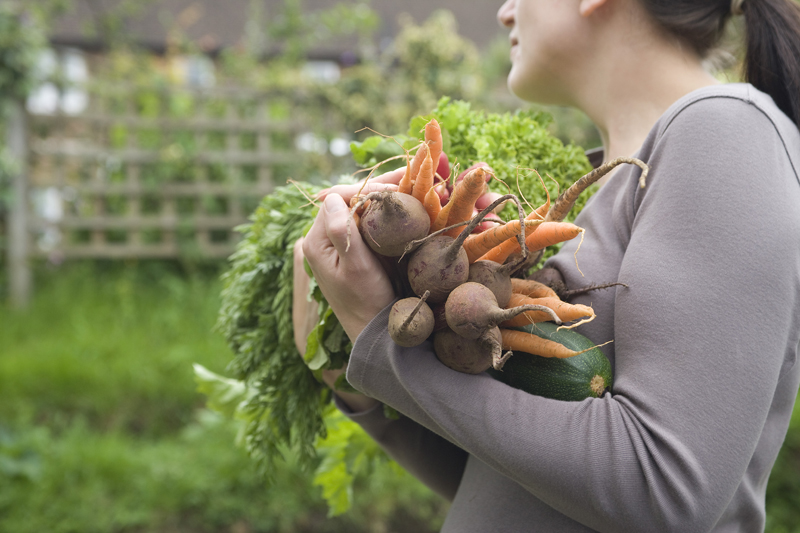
157 185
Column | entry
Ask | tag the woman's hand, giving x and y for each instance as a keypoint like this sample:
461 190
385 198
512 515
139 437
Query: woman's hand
353 280
305 314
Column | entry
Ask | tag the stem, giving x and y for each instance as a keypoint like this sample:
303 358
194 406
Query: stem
501 315
414 311
511 266
575 292
498 358
413 245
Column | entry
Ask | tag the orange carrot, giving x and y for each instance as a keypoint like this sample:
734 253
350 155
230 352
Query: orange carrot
424 180
405 183
567 199
433 138
528 342
432 204
546 234
462 201
532 288
479 243
550 233
416 163
566 312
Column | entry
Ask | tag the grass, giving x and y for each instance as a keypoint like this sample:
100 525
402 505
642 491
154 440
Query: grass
102 430
111 345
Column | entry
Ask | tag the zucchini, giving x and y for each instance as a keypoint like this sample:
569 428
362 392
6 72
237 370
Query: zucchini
587 375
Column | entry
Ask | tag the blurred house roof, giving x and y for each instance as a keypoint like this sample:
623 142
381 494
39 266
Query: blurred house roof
216 24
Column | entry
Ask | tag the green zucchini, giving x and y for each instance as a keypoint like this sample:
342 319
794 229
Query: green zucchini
587 375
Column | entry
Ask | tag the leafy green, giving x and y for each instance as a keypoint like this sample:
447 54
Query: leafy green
256 320
347 451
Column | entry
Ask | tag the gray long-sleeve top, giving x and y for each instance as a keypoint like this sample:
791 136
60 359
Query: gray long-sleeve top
705 348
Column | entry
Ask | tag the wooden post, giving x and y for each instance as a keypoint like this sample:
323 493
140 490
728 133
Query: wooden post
18 267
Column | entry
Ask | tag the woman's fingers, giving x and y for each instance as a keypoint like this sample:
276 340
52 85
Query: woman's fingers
384 182
348 191
393 176
337 222
304 309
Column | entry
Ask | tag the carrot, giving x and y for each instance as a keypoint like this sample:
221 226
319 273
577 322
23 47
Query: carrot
416 163
433 138
546 234
424 180
532 288
404 186
511 245
566 312
550 233
567 199
462 201
432 204
528 342
479 243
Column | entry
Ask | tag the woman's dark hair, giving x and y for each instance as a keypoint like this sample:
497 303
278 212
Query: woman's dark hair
772 57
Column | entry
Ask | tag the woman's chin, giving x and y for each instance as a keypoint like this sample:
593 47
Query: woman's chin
525 88
519 87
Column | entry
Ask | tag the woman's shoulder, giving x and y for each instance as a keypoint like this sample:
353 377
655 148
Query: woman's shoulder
740 110
727 124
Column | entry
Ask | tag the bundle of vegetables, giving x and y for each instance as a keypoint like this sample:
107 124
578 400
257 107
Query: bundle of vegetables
277 393
451 269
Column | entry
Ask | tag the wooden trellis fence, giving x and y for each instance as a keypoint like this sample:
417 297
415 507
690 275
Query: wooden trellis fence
152 174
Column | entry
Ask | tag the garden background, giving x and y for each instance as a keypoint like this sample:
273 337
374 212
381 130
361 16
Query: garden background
102 428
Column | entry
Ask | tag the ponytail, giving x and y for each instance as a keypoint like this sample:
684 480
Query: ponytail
772 60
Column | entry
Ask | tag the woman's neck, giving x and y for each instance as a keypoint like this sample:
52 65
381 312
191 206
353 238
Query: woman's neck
631 85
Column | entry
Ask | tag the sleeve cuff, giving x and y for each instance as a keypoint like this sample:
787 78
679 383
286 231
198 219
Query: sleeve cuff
364 347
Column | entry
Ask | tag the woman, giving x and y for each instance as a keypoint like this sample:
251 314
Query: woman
706 333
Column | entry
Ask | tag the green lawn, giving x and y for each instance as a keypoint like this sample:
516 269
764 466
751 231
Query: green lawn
102 430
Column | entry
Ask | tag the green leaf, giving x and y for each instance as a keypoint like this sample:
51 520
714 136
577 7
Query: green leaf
364 150
224 395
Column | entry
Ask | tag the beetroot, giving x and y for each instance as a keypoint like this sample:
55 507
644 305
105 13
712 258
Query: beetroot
471 310
495 276
470 356
391 221
438 266
411 321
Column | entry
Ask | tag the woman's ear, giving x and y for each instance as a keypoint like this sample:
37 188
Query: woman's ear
587 7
